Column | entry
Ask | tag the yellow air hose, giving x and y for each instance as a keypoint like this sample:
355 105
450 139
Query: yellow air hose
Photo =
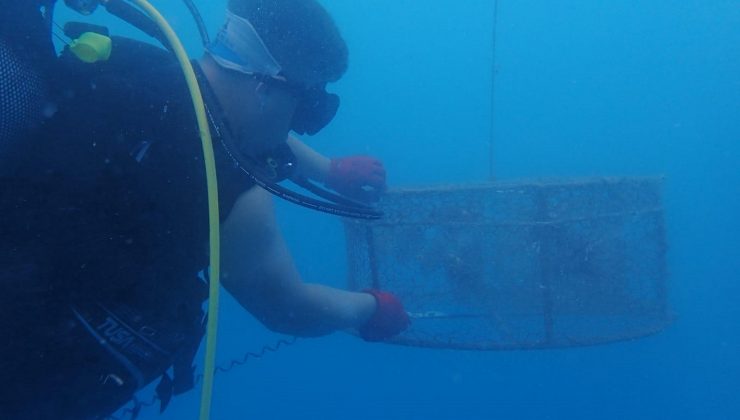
213 219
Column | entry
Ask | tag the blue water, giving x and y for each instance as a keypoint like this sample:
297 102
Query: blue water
582 88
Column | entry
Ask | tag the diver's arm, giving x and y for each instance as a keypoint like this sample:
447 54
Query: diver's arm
259 272
311 163
359 177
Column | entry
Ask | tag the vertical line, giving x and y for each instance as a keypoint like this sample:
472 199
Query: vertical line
491 129
372 259
662 286
546 235
352 235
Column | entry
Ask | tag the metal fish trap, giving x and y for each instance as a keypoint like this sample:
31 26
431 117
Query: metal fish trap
519 265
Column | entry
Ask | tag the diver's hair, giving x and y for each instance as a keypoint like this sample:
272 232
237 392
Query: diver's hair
300 34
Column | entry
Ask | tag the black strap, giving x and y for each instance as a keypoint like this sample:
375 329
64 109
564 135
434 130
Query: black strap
164 392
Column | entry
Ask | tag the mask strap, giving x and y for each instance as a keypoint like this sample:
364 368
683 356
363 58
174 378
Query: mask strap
239 47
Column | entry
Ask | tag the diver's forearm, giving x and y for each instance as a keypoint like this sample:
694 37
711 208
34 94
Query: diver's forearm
317 310
311 163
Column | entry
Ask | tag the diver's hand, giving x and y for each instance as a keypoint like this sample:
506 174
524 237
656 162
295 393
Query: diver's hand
389 319
358 177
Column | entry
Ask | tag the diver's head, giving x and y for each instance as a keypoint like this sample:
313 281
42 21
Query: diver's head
277 57
300 35
258 109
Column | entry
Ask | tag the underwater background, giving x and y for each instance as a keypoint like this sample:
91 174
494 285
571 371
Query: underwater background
582 88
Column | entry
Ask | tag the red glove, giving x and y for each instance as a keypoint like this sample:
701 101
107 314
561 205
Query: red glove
358 177
389 319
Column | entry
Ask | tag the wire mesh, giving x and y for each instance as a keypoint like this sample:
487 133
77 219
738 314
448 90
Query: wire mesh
521 265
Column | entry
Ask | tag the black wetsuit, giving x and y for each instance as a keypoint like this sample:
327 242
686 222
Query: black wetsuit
103 216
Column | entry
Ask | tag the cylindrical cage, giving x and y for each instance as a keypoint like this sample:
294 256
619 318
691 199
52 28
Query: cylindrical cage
519 265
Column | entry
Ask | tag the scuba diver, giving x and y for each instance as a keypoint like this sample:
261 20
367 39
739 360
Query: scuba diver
104 208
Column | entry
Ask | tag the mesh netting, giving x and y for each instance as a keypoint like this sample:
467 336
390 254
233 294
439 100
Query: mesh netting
21 95
517 266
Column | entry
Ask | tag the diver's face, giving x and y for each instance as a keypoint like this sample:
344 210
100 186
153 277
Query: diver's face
268 122
260 113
